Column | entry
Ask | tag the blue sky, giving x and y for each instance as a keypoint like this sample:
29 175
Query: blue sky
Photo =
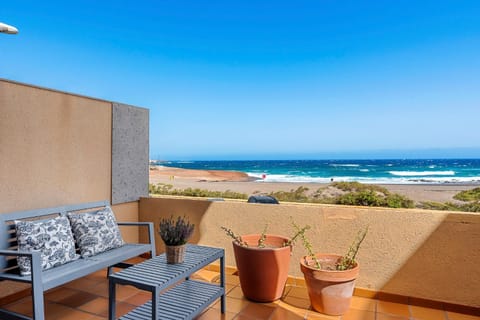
265 79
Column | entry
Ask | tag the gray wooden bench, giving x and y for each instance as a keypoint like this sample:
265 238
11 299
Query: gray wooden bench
43 280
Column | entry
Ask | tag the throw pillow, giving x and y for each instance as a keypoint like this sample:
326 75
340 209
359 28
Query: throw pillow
96 231
52 237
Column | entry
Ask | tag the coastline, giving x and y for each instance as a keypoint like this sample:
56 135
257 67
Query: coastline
217 180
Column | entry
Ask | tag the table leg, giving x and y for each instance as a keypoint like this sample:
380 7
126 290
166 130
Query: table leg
155 296
111 300
222 283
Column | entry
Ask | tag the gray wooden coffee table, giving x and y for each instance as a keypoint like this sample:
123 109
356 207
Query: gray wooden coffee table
174 295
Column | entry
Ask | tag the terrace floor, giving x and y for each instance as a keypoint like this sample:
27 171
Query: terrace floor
87 299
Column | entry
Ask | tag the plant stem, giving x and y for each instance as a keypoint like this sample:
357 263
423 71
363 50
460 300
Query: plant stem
236 238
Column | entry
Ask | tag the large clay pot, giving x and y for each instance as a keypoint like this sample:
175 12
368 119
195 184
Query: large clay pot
263 272
330 291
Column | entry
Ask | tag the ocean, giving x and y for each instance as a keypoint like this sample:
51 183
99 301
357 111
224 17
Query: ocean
421 171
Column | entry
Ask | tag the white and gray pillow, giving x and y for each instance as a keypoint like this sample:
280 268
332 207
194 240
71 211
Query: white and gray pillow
52 238
95 231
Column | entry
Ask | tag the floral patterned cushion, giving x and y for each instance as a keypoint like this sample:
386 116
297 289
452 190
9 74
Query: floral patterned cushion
53 238
96 231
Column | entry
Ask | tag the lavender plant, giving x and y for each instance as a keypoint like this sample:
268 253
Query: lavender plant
175 232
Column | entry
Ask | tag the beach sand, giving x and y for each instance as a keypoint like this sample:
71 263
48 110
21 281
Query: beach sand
216 180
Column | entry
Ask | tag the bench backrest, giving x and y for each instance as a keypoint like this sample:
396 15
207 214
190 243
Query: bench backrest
8 236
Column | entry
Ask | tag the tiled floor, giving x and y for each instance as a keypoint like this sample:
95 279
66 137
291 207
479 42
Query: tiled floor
87 299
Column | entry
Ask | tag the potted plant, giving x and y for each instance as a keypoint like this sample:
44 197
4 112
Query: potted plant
330 278
262 262
175 234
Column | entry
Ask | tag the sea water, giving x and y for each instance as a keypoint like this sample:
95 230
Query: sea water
435 171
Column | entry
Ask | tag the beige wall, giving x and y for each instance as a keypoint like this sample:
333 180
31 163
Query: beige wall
55 148
128 212
418 253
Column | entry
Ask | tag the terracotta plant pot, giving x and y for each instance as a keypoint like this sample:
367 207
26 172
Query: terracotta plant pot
330 291
263 272
175 254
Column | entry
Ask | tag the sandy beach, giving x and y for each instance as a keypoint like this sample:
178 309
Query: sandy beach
216 180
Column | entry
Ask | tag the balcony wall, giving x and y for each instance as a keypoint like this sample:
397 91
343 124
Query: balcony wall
424 254
59 148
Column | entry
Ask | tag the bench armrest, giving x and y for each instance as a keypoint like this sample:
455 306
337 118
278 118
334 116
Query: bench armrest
35 263
151 232
18 253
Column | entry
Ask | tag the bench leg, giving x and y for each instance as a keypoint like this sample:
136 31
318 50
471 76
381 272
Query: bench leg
38 304
37 288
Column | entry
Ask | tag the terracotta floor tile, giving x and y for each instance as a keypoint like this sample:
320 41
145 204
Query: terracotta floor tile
422 313
366 304
258 310
101 289
313 315
287 313
214 314
140 298
354 314
236 293
59 294
123 308
384 316
82 284
77 299
297 302
298 292
231 279
87 299
98 275
55 311
233 305
206 275
95 317
22 306
393 308
461 316
99 306
124 292
229 287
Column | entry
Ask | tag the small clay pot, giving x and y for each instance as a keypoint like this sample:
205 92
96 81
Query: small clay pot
330 291
175 254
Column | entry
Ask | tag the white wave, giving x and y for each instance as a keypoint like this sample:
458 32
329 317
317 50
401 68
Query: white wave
422 173
364 170
384 180
289 178
345 165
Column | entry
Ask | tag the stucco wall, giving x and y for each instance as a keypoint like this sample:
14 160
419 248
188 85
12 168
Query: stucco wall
417 253
55 148
128 212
